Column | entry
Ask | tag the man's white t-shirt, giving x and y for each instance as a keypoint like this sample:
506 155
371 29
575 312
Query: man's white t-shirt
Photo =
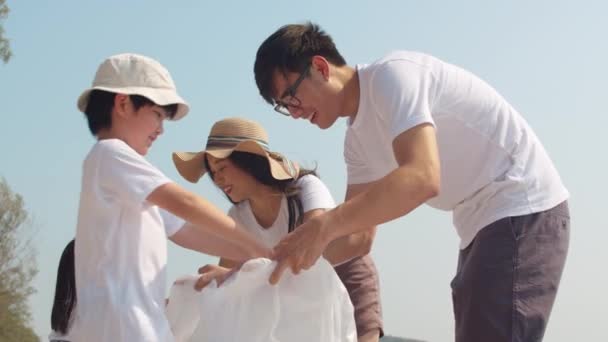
313 194
121 249
492 164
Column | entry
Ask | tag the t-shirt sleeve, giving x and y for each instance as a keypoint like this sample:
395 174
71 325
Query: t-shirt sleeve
243 221
171 222
357 171
314 194
233 214
126 175
403 92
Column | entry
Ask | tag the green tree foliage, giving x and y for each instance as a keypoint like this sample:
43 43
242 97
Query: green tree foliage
5 48
17 268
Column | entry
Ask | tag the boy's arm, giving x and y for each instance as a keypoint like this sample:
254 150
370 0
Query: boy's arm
201 241
354 245
206 219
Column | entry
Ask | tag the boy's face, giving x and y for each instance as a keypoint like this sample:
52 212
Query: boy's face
141 127
310 95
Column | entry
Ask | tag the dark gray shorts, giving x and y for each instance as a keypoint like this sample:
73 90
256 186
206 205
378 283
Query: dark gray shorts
507 278
360 278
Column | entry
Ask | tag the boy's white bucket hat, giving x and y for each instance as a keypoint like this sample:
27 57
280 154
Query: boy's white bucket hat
133 74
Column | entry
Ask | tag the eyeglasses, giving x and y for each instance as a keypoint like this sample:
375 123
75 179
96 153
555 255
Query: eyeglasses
289 99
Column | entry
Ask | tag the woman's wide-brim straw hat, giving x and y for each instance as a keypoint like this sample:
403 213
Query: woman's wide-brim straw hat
227 136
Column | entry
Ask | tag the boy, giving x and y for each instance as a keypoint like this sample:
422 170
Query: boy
424 131
128 207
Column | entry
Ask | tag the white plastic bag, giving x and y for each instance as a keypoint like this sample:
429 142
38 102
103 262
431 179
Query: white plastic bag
311 306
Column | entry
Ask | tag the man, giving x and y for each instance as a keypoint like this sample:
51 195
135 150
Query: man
424 131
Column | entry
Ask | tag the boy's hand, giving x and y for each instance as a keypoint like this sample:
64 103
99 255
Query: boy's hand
213 272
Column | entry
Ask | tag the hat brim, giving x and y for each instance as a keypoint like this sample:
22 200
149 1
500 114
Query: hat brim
161 97
191 165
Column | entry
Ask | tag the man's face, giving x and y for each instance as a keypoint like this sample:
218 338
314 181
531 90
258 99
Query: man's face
306 95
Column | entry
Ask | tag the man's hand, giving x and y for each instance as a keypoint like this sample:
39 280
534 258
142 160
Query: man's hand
213 272
301 249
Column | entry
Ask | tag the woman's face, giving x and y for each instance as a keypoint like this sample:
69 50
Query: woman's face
237 184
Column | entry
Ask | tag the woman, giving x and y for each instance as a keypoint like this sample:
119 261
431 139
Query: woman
65 296
271 197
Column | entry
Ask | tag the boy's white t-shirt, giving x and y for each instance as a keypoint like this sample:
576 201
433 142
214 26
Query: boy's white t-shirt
121 253
313 194
492 164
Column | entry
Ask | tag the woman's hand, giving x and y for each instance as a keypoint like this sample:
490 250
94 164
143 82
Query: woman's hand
213 272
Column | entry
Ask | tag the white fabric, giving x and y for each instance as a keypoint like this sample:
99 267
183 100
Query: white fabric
171 222
492 163
57 336
312 306
121 254
313 195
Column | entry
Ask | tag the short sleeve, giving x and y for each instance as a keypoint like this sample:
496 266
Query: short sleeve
125 174
357 171
233 213
238 213
314 194
403 92
171 222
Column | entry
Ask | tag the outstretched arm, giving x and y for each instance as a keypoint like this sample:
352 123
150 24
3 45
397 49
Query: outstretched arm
412 183
206 219
201 241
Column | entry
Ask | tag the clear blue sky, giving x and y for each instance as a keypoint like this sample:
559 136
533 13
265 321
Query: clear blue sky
548 58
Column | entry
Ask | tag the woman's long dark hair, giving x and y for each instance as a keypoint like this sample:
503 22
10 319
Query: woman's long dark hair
65 291
258 167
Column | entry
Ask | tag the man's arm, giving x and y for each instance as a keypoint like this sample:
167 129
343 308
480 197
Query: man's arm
416 180
205 218
357 244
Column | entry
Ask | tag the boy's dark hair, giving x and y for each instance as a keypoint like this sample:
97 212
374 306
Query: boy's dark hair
290 49
65 291
258 167
101 102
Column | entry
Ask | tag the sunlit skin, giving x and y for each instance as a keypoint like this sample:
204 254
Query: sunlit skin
138 128
238 185
329 92
241 186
